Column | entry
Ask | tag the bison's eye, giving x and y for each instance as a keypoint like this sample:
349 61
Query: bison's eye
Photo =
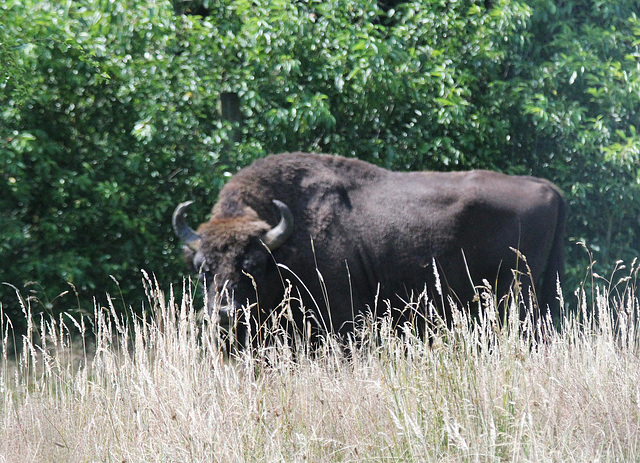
205 274
200 263
248 265
202 268
254 262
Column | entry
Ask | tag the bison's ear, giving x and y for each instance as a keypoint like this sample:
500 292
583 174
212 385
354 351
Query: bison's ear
188 255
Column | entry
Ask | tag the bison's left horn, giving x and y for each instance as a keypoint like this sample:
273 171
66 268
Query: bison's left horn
186 234
275 237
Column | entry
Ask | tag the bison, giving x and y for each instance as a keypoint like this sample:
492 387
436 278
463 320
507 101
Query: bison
347 235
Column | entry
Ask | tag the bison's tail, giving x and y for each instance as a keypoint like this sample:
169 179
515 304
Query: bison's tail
548 295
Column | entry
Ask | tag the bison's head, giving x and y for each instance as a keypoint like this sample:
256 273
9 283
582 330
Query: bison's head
232 256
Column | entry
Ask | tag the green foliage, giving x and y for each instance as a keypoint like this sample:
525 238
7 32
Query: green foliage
110 115
110 127
408 95
576 94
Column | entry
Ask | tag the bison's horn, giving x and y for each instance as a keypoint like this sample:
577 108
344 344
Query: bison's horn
275 237
180 227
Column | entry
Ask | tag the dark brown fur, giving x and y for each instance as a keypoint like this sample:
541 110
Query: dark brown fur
373 234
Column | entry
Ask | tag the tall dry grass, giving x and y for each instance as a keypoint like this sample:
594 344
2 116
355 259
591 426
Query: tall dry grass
106 388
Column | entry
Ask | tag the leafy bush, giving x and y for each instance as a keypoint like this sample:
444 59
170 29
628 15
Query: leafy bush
575 95
111 115
106 129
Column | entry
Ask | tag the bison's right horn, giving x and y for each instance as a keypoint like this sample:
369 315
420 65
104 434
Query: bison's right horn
185 233
275 237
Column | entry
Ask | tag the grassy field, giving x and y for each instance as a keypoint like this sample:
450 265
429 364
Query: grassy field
160 389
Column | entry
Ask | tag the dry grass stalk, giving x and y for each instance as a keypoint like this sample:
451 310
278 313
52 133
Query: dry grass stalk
160 388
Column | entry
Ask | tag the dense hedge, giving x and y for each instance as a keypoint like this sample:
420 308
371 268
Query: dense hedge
111 113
